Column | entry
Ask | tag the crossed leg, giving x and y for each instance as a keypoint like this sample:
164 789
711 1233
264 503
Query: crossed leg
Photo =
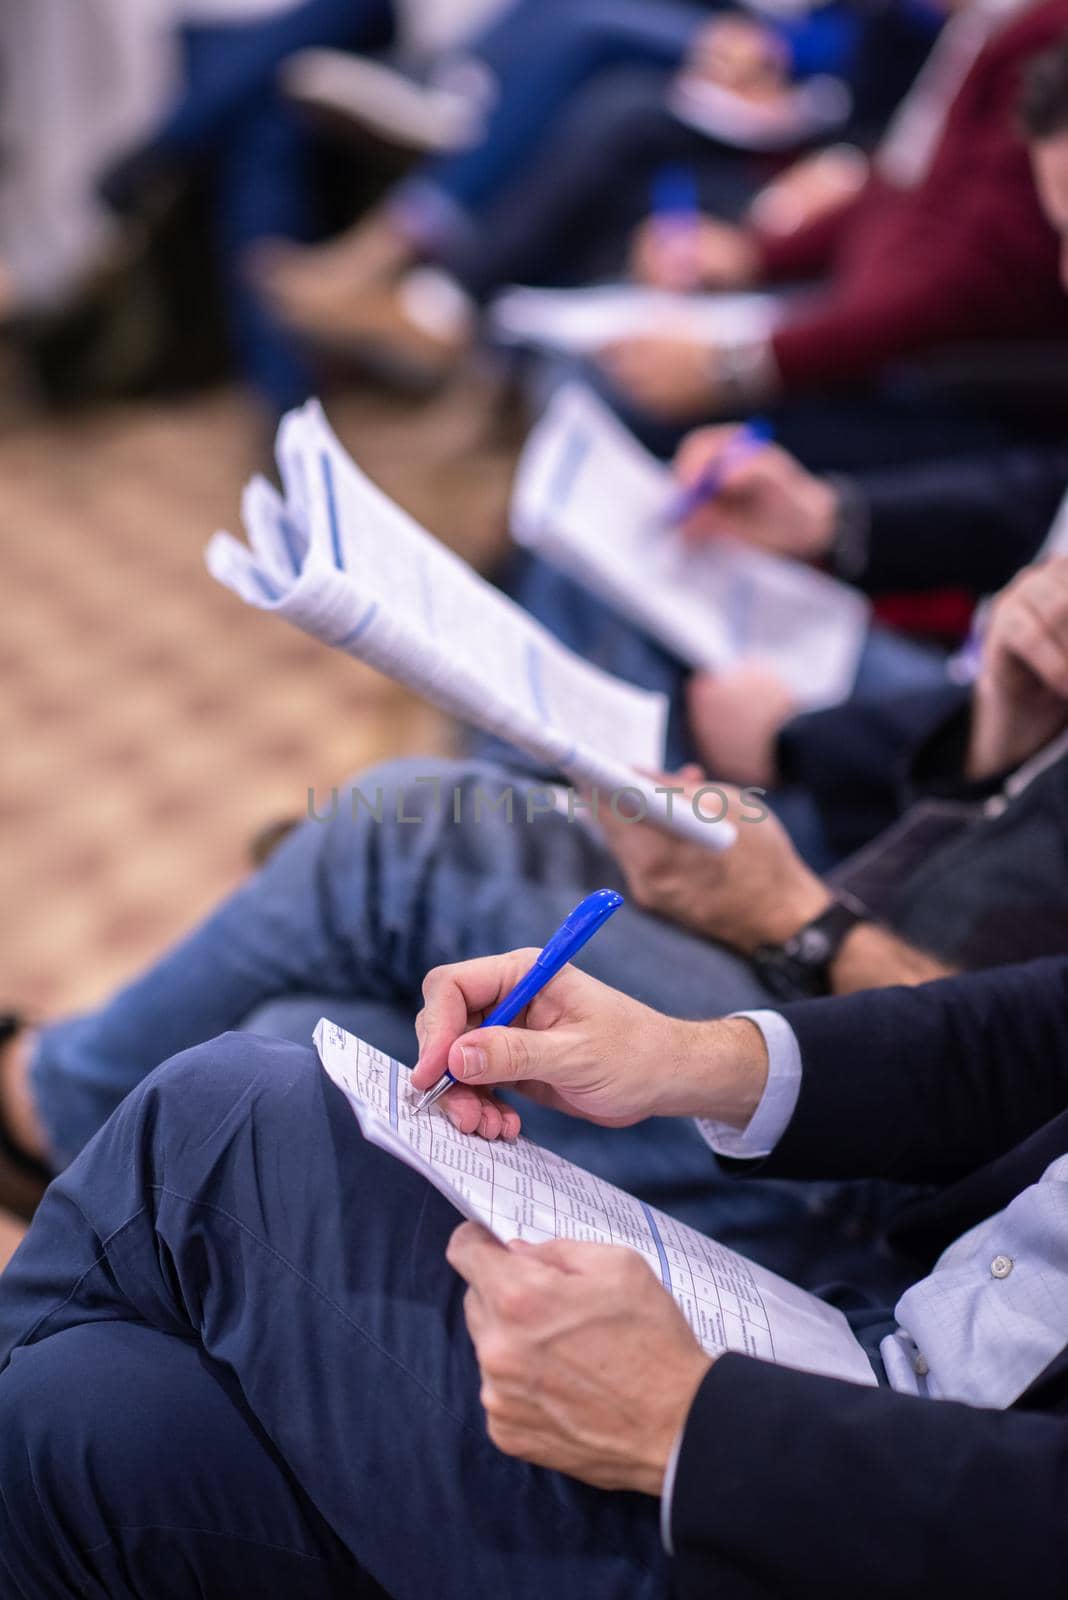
232 1328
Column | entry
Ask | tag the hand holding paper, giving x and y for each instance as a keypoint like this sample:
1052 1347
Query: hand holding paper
588 1366
339 559
591 500
520 1191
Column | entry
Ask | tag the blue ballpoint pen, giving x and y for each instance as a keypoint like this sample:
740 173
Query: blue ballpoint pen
575 931
750 438
676 214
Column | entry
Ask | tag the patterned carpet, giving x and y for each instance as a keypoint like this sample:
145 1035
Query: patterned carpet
150 722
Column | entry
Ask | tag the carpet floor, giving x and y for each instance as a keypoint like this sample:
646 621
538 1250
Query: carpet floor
151 723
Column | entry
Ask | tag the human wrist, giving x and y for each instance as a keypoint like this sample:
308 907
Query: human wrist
658 1445
743 375
795 905
819 506
716 1070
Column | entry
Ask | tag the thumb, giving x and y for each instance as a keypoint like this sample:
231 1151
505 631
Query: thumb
500 1055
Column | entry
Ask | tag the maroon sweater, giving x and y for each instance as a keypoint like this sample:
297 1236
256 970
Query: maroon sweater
965 255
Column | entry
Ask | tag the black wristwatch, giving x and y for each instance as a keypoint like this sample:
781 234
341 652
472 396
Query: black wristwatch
801 968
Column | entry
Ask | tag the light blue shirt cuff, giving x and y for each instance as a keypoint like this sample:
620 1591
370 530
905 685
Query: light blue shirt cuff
778 1102
667 1494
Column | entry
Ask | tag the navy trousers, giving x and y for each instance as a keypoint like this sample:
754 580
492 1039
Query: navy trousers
233 1362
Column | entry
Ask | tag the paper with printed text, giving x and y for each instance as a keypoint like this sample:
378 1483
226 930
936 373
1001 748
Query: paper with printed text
592 500
338 558
520 1191
582 321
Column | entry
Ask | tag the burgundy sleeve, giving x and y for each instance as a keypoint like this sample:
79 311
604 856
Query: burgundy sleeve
809 251
968 256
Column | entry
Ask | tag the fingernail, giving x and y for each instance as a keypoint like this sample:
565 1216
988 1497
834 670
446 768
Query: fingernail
473 1062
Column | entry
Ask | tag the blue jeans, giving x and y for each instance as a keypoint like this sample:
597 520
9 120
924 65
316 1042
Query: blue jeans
233 1361
541 51
257 150
349 915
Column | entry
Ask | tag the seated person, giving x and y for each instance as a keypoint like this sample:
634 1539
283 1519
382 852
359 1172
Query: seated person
524 191
965 524
429 862
232 120
958 521
945 243
233 1357
953 249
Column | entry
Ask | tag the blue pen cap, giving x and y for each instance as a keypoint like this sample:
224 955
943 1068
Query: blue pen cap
761 430
583 922
674 192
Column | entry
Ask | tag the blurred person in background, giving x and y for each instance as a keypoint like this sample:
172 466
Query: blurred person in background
944 530
925 541
107 102
941 246
514 200
945 244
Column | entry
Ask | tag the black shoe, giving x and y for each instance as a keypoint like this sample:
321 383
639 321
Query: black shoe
266 840
23 1179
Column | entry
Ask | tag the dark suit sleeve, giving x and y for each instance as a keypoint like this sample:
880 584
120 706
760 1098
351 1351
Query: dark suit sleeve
792 1485
865 744
927 1084
965 524
852 759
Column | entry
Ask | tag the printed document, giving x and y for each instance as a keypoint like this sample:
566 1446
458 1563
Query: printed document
520 1191
338 558
800 114
592 500
582 321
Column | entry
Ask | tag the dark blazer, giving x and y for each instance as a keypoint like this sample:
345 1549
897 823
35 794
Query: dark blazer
790 1484
949 863
968 523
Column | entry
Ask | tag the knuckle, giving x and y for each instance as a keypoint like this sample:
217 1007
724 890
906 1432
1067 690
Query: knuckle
631 1274
496 1356
504 1437
433 982
516 1303
515 1051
